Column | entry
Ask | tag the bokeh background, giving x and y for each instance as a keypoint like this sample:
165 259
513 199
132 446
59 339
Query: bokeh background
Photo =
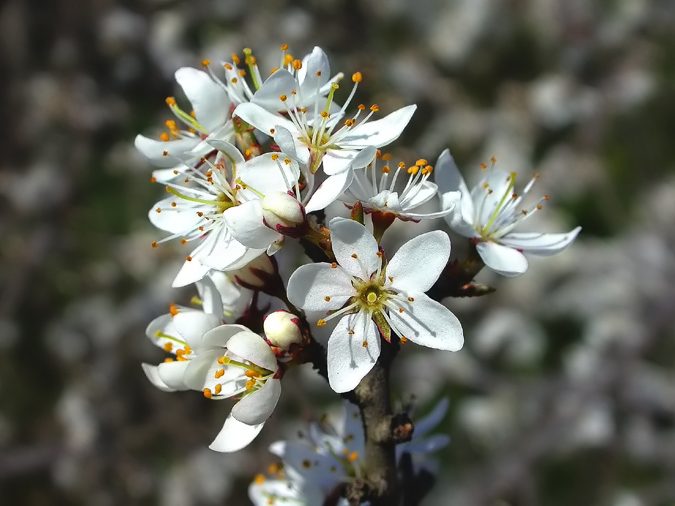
565 391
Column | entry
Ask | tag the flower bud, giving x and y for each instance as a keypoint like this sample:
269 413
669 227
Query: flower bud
282 212
257 273
282 329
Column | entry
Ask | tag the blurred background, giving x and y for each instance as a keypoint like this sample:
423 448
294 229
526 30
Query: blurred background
565 391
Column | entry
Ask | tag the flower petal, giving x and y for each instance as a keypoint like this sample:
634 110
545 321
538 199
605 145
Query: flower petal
427 323
264 175
218 337
279 83
502 259
257 407
229 150
449 180
235 435
190 272
354 247
329 191
246 224
172 374
262 119
152 375
176 215
212 302
166 154
380 132
209 100
192 325
313 74
353 349
162 325
540 243
419 262
336 161
250 346
311 284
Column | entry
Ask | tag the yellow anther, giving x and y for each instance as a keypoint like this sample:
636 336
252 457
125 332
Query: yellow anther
188 258
234 80
274 468
386 157
259 479
354 255
403 340
242 73
349 122
421 162
219 373
333 265
223 360
235 59
154 244
364 344
283 98
324 114
287 161
414 169
170 101
207 393
251 374
386 169
171 124
168 347
288 59
401 165
227 66
353 457
164 137
250 384
327 298
411 299
168 360
483 166
173 309
321 323
284 47
427 170
357 77
374 108
218 388
297 64
361 107
206 62
275 156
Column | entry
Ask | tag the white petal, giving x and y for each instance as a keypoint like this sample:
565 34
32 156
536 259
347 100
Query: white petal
218 337
539 243
152 375
163 324
262 119
212 302
310 284
229 150
165 154
354 247
329 191
427 323
181 219
246 224
172 373
380 132
336 161
296 454
419 262
449 180
279 83
257 407
200 370
348 359
313 74
193 325
252 347
234 435
263 174
502 259
189 273
209 100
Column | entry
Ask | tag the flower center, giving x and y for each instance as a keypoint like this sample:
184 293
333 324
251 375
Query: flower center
370 296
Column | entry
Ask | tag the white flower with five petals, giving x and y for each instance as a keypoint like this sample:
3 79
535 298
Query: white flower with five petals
318 134
210 119
220 210
491 211
361 290
221 361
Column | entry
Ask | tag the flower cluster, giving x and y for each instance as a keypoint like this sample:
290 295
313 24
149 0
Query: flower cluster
252 166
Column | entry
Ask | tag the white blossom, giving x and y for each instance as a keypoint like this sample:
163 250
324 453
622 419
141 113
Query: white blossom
491 211
219 210
361 290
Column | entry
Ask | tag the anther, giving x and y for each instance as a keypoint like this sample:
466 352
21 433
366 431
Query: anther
333 265
170 101
357 77
354 255
218 388
259 479
374 108
168 347
421 162
206 62
188 258
327 298
297 64
164 137
284 47
320 323
154 244
219 373
207 393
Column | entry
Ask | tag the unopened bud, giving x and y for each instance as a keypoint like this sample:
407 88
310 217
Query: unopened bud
282 212
282 329
257 273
